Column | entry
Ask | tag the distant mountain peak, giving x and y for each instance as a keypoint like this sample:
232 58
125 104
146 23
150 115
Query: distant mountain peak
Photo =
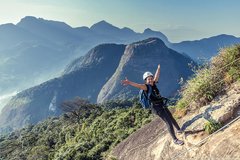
7 25
223 36
28 19
37 21
102 23
148 30
127 29
103 26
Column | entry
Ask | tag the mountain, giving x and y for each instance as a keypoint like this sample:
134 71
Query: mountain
28 63
103 27
82 78
57 44
34 44
205 48
54 31
35 50
28 54
150 33
13 36
144 56
125 35
25 57
106 29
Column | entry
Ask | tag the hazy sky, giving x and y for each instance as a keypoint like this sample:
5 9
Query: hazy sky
178 19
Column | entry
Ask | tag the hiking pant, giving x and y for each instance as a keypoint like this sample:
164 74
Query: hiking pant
167 117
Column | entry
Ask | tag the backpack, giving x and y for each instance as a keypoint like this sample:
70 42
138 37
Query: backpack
144 98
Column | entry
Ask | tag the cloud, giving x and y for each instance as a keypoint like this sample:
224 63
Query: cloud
5 98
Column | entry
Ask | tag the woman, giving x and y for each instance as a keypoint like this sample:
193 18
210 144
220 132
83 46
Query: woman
157 104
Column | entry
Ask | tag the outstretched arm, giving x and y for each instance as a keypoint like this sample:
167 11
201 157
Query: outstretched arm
156 76
137 85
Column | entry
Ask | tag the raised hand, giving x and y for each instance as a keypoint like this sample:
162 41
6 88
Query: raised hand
157 73
125 81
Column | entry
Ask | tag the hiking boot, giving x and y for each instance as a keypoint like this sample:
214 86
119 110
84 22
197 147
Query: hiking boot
178 142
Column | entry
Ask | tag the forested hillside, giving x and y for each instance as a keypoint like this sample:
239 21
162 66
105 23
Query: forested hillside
85 131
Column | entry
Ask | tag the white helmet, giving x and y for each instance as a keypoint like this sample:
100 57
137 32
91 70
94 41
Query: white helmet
147 74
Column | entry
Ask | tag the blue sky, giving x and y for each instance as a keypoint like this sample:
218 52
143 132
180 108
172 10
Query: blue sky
178 19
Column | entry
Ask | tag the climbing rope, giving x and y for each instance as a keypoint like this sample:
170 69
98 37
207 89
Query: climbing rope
216 82
186 105
203 140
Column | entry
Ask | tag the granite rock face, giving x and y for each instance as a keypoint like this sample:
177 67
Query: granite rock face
153 142
144 56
